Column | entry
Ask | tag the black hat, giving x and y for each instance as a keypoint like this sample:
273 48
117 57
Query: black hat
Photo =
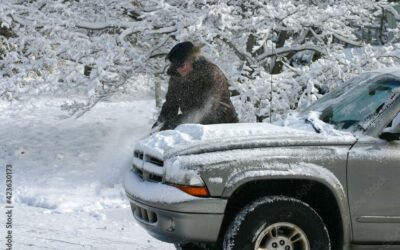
180 52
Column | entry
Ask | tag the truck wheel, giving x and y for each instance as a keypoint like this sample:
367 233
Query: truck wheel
277 223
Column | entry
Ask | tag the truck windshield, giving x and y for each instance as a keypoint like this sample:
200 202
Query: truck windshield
358 104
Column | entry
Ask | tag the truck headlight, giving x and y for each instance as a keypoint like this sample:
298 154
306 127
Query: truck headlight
189 183
193 190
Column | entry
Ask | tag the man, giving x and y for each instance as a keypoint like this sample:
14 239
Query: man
197 91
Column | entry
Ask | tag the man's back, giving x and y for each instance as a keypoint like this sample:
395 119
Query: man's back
202 95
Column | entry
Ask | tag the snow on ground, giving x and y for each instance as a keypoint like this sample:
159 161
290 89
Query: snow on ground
67 176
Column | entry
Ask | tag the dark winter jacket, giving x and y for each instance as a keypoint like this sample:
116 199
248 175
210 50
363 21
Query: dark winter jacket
202 97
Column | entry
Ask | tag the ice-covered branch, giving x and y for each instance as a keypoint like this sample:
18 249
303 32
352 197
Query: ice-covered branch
100 25
285 50
127 34
316 36
129 31
392 11
22 21
346 40
162 43
242 55
389 56
100 96
164 30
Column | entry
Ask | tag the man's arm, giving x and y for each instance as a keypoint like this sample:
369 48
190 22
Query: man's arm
169 110
215 88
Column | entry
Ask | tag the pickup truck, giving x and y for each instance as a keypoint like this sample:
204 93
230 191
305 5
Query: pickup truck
324 178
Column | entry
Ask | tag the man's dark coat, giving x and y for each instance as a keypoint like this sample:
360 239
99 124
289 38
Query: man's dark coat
202 97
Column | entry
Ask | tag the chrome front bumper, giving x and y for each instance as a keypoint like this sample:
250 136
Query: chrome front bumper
171 215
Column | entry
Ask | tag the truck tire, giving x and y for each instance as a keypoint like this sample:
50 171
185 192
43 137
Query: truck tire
277 222
195 246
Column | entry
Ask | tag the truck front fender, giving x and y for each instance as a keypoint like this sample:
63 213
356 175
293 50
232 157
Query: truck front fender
300 171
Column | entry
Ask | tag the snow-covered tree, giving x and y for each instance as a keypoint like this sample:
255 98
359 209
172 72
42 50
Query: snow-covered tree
279 55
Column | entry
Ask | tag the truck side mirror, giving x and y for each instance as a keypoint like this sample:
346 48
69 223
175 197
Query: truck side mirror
389 136
392 133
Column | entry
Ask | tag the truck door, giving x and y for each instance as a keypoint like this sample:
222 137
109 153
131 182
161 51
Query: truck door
374 189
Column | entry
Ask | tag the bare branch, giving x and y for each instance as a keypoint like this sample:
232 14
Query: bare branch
43 5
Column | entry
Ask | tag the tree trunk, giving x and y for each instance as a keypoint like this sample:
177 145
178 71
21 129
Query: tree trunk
157 92
277 66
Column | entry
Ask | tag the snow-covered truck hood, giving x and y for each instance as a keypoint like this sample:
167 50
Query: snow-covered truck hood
194 139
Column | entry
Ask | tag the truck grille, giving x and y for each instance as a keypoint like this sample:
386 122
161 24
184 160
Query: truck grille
148 176
155 161
147 167
138 154
147 158
143 214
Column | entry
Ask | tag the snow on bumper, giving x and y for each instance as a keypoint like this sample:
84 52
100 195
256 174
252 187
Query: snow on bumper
171 215
154 192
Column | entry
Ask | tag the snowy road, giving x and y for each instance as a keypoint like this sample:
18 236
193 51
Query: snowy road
66 174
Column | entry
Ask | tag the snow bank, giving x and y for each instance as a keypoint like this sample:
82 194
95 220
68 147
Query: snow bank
80 162
67 175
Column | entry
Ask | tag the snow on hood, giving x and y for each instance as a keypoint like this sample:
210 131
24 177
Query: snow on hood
219 136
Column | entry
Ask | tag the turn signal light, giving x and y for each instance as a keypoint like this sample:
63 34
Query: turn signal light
195 191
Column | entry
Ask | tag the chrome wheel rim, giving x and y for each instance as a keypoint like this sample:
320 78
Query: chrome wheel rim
282 236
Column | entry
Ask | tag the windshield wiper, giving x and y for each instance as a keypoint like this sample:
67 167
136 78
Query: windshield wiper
317 129
361 127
